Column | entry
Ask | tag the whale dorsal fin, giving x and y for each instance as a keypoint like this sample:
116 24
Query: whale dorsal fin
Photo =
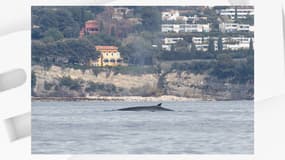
159 104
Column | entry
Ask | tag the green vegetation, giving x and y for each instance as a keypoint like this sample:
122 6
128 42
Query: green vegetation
69 83
48 86
71 51
194 67
103 39
130 70
52 35
239 72
93 87
151 18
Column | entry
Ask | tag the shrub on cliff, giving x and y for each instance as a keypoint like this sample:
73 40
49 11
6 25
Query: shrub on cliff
70 83
103 89
224 68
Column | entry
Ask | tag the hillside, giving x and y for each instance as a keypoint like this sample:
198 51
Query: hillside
195 52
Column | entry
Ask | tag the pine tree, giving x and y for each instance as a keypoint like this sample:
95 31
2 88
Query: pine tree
251 49
101 27
236 16
113 32
211 46
220 45
193 48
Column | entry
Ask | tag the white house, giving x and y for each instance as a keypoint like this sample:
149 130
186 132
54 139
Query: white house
241 13
166 47
120 12
170 15
172 40
236 43
170 28
200 40
234 27
195 27
202 43
196 18
229 43
168 42
202 47
185 28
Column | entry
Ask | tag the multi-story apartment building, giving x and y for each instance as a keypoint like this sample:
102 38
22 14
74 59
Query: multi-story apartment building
236 43
240 13
185 28
229 43
235 27
202 43
167 42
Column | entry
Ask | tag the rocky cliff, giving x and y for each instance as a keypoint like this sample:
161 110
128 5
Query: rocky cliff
68 82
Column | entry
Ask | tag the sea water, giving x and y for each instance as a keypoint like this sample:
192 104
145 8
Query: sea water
88 127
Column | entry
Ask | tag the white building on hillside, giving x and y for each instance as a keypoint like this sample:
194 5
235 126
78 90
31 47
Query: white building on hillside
200 40
235 27
229 43
241 13
236 43
172 40
169 42
202 43
195 27
170 15
170 28
185 28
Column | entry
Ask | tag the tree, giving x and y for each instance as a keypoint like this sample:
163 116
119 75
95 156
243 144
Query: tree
181 46
70 83
103 39
52 34
71 51
236 16
151 19
251 49
225 67
172 48
37 33
71 32
193 48
101 26
211 46
220 45
113 32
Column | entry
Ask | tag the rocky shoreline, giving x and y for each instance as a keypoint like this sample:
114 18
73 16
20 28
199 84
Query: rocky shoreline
68 84
121 98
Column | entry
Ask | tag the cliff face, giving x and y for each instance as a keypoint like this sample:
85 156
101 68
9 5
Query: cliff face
49 83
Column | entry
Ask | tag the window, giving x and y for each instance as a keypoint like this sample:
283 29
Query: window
119 60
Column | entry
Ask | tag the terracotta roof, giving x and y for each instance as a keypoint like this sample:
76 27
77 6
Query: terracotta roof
91 21
106 48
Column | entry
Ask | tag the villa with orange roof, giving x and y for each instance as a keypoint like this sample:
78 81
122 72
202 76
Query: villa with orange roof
109 56
91 27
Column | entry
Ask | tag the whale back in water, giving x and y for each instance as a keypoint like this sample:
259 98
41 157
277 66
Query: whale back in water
146 108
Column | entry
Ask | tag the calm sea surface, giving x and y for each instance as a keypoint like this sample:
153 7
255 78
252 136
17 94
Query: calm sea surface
224 127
